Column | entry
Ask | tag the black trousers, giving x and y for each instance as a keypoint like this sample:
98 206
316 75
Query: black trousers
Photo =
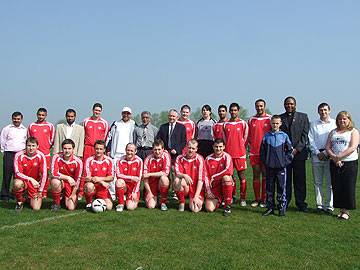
296 174
276 178
143 152
8 173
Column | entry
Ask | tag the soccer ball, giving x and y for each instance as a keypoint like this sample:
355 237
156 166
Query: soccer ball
98 205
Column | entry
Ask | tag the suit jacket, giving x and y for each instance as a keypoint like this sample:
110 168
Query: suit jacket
77 135
298 133
178 137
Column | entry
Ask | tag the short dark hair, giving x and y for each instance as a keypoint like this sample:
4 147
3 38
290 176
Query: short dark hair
323 104
234 104
97 105
290 97
16 114
219 140
68 141
41 110
158 142
101 142
275 116
222 106
70 111
260 100
185 106
32 140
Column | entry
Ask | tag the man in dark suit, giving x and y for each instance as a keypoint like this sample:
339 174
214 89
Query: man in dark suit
173 135
296 125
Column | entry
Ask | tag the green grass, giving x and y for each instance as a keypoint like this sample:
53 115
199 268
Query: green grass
171 240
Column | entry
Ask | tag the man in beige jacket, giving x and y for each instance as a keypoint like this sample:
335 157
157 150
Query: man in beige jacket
70 130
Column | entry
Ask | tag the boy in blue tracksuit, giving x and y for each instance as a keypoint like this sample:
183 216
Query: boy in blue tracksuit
276 154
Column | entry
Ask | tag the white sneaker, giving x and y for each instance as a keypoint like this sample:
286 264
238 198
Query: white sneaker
243 203
181 207
119 208
262 205
163 207
254 204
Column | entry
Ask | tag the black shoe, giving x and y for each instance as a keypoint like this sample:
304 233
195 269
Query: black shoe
303 209
327 211
268 212
281 213
19 207
227 211
55 208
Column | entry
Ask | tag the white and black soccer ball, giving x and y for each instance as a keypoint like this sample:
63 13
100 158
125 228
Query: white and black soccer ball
98 205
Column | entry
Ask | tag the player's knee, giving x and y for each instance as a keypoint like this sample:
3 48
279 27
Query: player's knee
209 206
164 180
55 185
131 205
120 183
177 184
151 204
109 205
18 184
89 187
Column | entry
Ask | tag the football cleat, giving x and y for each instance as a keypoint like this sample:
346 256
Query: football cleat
119 208
227 211
181 207
243 203
19 207
163 207
55 208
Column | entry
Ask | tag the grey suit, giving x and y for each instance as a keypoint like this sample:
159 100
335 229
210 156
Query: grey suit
77 135
297 131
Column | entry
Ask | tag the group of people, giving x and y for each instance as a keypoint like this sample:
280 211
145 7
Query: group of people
195 160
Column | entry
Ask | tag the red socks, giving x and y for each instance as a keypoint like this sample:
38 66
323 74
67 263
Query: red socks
56 197
19 195
163 194
120 195
181 196
89 197
227 191
243 189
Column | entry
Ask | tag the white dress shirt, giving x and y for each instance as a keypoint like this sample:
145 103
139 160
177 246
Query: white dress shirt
12 138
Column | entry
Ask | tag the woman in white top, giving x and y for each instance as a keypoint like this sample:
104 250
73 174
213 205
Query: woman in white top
341 147
204 132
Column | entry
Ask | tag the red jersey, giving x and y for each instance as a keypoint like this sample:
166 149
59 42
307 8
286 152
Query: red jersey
192 167
218 130
235 135
101 168
27 167
72 167
44 133
218 167
162 164
258 126
130 170
95 130
190 128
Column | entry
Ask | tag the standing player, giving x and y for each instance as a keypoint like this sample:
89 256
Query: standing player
190 175
218 128
156 175
30 174
66 169
189 124
235 136
128 170
259 124
219 183
95 128
44 132
99 173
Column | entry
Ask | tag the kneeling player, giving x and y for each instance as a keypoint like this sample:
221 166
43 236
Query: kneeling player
66 171
99 174
156 170
190 174
30 174
128 170
219 182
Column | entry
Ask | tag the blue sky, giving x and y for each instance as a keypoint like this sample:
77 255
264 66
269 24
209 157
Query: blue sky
154 55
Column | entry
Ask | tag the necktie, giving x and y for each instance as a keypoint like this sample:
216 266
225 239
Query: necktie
143 137
170 133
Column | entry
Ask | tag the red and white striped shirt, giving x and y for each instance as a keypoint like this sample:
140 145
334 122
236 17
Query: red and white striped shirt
258 126
193 167
218 130
235 135
72 167
95 130
129 170
27 167
190 128
45 134
101 168
161 164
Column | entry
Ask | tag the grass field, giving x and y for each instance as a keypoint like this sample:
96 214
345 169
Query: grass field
151 239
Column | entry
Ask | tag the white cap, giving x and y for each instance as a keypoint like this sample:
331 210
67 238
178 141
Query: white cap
126 109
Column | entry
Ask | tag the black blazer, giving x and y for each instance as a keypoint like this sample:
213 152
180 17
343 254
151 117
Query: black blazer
298 133
178 137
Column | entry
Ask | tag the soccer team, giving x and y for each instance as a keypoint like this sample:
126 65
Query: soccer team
195 160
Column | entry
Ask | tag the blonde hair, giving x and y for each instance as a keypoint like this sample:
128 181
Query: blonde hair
347 115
